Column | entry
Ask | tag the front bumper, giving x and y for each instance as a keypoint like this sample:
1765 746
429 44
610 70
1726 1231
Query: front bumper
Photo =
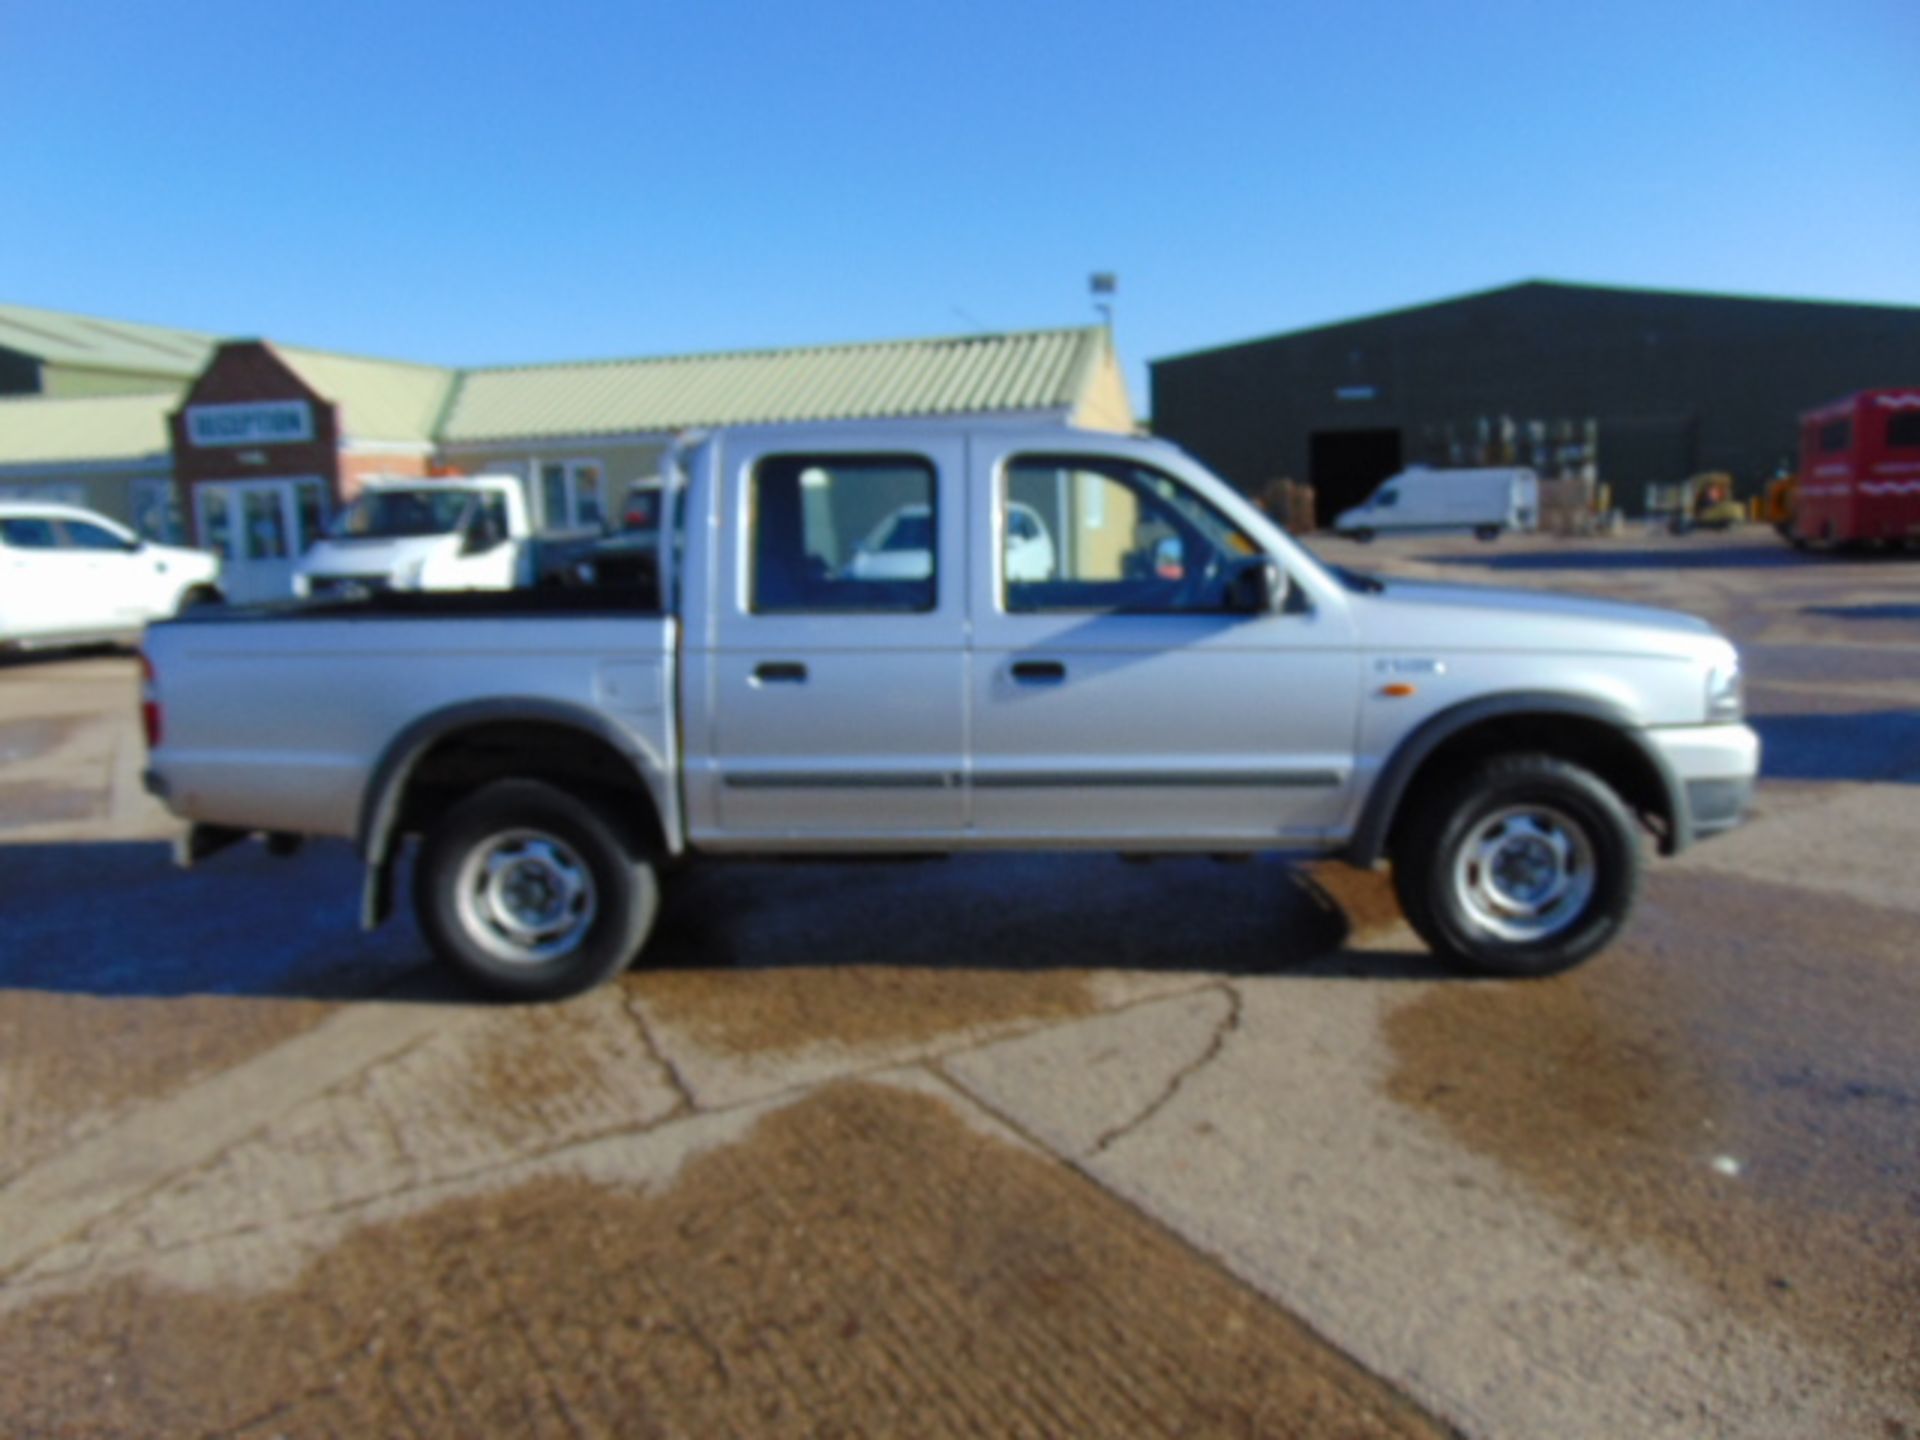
1716 766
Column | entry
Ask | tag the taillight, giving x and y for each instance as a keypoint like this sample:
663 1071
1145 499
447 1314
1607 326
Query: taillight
150 714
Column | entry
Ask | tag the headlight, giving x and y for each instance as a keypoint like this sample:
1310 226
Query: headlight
1726 695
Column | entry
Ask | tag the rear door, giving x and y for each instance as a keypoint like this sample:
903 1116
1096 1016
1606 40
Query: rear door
44 584
833 666
1117 699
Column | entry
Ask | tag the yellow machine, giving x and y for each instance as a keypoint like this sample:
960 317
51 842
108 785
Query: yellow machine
1705 502
1781 501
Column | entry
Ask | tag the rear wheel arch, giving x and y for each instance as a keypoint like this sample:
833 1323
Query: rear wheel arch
439 760
1592 734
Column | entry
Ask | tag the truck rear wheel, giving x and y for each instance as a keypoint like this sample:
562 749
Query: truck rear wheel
530 893
1526 866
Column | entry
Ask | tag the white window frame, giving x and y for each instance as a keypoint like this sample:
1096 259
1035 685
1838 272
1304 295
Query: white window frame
570 472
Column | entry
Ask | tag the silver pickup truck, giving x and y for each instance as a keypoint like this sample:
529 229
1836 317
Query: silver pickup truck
922 639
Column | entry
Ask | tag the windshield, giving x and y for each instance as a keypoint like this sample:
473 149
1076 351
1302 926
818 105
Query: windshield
395 514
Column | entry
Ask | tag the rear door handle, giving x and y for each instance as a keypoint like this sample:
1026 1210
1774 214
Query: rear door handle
780 672
1039 672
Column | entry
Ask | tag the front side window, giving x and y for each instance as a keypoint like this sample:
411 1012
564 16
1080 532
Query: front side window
1387 499
1105 534
84 535
843 533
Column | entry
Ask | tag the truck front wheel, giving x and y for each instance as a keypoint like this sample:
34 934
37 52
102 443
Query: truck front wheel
1526 866
530 893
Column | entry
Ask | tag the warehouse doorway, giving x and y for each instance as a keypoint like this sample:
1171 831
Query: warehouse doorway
1344 466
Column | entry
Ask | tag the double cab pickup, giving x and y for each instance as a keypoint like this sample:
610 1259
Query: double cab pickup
920 638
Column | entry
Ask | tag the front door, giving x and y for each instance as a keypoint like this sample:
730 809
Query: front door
835 672
1115 696
260 529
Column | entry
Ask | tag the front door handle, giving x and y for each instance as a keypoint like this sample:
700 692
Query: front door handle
780 672
1039 672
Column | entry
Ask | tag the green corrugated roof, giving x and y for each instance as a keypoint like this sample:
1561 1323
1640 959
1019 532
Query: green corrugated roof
1030 370
399 401
81 342
37 431
378 399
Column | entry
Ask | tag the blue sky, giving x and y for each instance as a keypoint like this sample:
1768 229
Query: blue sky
484 183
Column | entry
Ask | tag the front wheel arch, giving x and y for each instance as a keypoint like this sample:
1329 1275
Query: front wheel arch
1590 733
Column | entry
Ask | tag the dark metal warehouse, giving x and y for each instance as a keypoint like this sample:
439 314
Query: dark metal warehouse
1627 387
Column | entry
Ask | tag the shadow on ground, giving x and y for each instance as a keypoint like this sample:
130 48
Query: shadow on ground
1875 745
1678 557
121 920
1866 612
52 659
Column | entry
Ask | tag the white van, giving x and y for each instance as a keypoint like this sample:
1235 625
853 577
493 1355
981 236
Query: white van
1483 501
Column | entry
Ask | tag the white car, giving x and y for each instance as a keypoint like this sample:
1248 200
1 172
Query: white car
900 547
71 577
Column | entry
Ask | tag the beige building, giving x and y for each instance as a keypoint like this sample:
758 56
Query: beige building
313 425
110 453
584 434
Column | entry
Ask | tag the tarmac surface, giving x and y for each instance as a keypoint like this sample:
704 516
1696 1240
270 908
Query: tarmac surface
999 1146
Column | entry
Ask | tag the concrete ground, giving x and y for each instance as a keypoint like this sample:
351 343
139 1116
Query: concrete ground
1023 1145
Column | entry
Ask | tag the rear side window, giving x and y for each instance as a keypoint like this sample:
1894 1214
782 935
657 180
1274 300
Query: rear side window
1903 431
29 532
840 534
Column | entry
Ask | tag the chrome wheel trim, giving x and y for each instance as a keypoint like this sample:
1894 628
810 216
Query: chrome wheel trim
526 897
1525 873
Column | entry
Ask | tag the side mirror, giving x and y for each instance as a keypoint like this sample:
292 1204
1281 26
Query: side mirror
1257 587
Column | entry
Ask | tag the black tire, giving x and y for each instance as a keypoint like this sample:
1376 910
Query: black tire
603 896
1361 537
1486 532
195 596
1534 807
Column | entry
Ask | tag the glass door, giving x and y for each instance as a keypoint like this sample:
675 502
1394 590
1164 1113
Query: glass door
260 529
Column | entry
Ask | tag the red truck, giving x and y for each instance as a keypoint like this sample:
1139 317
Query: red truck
1860 470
